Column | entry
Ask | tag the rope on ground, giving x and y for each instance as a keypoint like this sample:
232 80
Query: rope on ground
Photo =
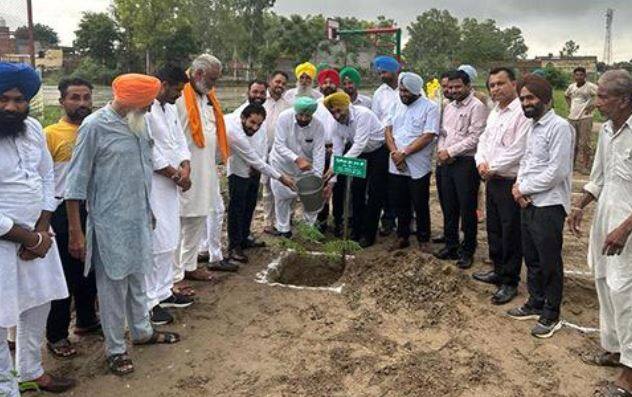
584 330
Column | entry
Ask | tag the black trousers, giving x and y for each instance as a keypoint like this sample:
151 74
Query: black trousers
408 194
338 195
82 289
542 239
503 230
438 174
459 189
369 194
242 201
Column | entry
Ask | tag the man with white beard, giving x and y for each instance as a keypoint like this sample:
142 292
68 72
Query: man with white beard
305 74
202 207
111 169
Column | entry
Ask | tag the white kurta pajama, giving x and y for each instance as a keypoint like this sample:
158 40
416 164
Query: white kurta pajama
203 202
170 149
293 141
27 187
611 183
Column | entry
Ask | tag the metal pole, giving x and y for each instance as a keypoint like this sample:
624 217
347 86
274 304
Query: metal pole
29 11
345 234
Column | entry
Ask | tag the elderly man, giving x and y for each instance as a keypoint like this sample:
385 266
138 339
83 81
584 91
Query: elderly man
111 169
248 160
362 133
76 100
463 122
299 146
610 250
351 79
411 130
201 207
30 268
305 74
385 97
500 149
580 98
543 190
274 105
171 163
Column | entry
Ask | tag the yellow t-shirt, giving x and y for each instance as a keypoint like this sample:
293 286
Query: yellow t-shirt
61 138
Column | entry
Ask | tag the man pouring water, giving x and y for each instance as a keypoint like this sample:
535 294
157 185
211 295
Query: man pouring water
299 149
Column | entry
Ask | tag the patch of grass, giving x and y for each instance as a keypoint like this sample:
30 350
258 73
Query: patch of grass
337 247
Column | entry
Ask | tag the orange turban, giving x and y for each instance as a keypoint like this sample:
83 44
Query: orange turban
135 90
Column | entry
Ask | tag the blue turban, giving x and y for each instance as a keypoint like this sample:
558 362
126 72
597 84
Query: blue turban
412 82
20 76
386 63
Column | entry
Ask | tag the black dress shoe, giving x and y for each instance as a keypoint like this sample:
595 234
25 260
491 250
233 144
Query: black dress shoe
364 243
447 253
465 262
439 240
251 242
505 294
487 277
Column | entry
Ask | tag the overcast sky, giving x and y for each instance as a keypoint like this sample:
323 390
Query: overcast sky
546 24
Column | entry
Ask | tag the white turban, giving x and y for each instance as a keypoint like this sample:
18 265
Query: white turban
470 70
412 82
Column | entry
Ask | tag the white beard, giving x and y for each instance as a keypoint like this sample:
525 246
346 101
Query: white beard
136 122
304 91
200 86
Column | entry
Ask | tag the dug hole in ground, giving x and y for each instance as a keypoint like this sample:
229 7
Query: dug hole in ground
403 324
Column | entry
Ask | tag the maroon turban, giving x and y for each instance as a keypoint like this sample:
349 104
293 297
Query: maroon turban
538 86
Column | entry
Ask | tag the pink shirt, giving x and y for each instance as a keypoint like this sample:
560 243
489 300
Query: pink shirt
463 123
505 140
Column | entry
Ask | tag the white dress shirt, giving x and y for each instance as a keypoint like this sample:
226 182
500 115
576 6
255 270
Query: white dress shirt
363 131
504 140
293 141
273 110
546 169
247 152
409 122
383 100
611 184
27 187
363 100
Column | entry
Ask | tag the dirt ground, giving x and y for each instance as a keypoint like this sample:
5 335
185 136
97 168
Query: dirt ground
405 324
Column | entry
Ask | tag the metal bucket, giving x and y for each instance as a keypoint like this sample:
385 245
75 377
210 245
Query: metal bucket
310 190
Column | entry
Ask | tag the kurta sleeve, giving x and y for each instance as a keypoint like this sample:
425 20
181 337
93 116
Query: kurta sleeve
432 120
283 130
559 166
6 224
597 177
81 164
184 154
47 173
338 141
318 161
474 130
159 157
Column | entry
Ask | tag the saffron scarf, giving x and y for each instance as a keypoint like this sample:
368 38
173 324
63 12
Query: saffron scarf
193 113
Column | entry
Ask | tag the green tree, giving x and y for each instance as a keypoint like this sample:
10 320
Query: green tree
251 13
570 49
98 37
42 33
433 42
160 30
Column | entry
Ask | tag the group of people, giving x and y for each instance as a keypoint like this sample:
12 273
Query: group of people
123 205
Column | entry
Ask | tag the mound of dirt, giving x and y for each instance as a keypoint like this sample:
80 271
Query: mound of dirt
407 280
